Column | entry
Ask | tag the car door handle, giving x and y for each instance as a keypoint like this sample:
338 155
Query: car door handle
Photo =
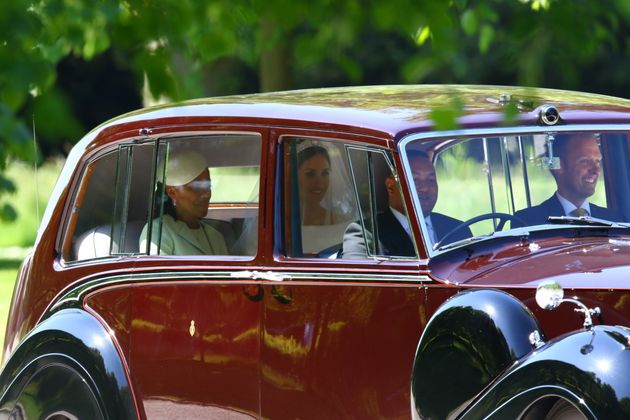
254 292
284 298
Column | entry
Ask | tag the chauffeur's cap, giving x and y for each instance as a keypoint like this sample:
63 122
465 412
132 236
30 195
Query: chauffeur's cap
184 166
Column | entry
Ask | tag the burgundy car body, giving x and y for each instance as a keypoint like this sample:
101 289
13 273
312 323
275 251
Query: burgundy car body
281 336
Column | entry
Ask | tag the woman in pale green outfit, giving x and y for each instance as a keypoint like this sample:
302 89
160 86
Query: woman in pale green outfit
188 192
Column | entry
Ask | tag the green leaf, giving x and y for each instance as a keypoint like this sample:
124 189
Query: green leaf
485 38
445 118
510 112
469 22
422 35
7 213
6 185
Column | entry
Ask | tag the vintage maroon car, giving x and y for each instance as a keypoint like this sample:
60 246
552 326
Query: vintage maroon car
334 253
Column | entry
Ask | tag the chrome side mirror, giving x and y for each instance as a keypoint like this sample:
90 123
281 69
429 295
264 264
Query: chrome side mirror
549 295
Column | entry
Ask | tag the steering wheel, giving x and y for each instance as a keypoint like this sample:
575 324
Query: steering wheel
502 217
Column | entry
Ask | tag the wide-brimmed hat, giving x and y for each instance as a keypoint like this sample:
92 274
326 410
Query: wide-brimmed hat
184 166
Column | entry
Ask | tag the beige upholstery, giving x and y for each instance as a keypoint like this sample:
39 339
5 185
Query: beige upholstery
96 242
93 243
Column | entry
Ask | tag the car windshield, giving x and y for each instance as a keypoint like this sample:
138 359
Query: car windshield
476 187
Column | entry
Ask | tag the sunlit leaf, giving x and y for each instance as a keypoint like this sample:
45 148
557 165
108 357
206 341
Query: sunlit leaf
422 35
469 22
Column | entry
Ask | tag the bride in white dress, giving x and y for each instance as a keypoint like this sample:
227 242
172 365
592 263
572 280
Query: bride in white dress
322 225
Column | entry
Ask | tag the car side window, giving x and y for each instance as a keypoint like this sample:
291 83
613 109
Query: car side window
383 228
318 199
205 197
90 217
113 204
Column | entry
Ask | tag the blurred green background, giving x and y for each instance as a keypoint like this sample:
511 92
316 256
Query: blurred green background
17 236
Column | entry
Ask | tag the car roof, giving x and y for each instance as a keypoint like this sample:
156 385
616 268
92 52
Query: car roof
393 110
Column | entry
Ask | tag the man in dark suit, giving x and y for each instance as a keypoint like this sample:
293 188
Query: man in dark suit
576 178
395 237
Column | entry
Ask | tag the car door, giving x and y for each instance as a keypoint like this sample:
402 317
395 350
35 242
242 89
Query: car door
339 334
187 324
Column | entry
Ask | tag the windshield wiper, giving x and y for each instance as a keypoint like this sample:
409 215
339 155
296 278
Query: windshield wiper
582 221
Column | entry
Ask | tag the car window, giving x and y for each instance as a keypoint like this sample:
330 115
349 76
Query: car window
90 218
503 182
382 228
318 199
205 197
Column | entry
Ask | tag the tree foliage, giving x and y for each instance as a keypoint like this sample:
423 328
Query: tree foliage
182 49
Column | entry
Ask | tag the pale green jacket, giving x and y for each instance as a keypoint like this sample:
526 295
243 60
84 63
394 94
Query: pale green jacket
178 239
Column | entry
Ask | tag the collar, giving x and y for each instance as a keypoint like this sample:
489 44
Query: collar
402 219
568 206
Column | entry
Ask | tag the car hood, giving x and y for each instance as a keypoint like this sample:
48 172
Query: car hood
592 262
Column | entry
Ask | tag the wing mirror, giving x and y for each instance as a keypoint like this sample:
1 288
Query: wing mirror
549 295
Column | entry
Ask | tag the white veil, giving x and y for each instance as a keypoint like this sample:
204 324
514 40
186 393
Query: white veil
339 198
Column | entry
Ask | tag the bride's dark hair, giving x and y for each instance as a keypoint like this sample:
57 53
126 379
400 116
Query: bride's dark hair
309 152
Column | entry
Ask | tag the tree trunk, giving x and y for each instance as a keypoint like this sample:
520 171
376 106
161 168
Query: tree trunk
275 59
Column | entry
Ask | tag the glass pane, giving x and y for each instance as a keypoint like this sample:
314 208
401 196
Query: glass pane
360 161
133 197
207 201
379 194
502 182
319 203
93 210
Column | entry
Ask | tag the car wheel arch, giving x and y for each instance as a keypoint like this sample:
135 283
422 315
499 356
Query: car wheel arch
71 344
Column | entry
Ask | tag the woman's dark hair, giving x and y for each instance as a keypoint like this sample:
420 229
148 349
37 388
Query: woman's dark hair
309 152
163 200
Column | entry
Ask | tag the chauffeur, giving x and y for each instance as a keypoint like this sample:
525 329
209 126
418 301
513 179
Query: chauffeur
576 178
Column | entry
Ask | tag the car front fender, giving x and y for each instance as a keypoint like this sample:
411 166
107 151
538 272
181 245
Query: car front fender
471 340
476 359
587 368
68 364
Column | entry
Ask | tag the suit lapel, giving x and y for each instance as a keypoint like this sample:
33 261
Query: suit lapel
393 237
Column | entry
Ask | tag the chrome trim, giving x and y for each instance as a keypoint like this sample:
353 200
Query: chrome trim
260 275
507 173
521 154
549 115
76 294
536 340
488 168
484 132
